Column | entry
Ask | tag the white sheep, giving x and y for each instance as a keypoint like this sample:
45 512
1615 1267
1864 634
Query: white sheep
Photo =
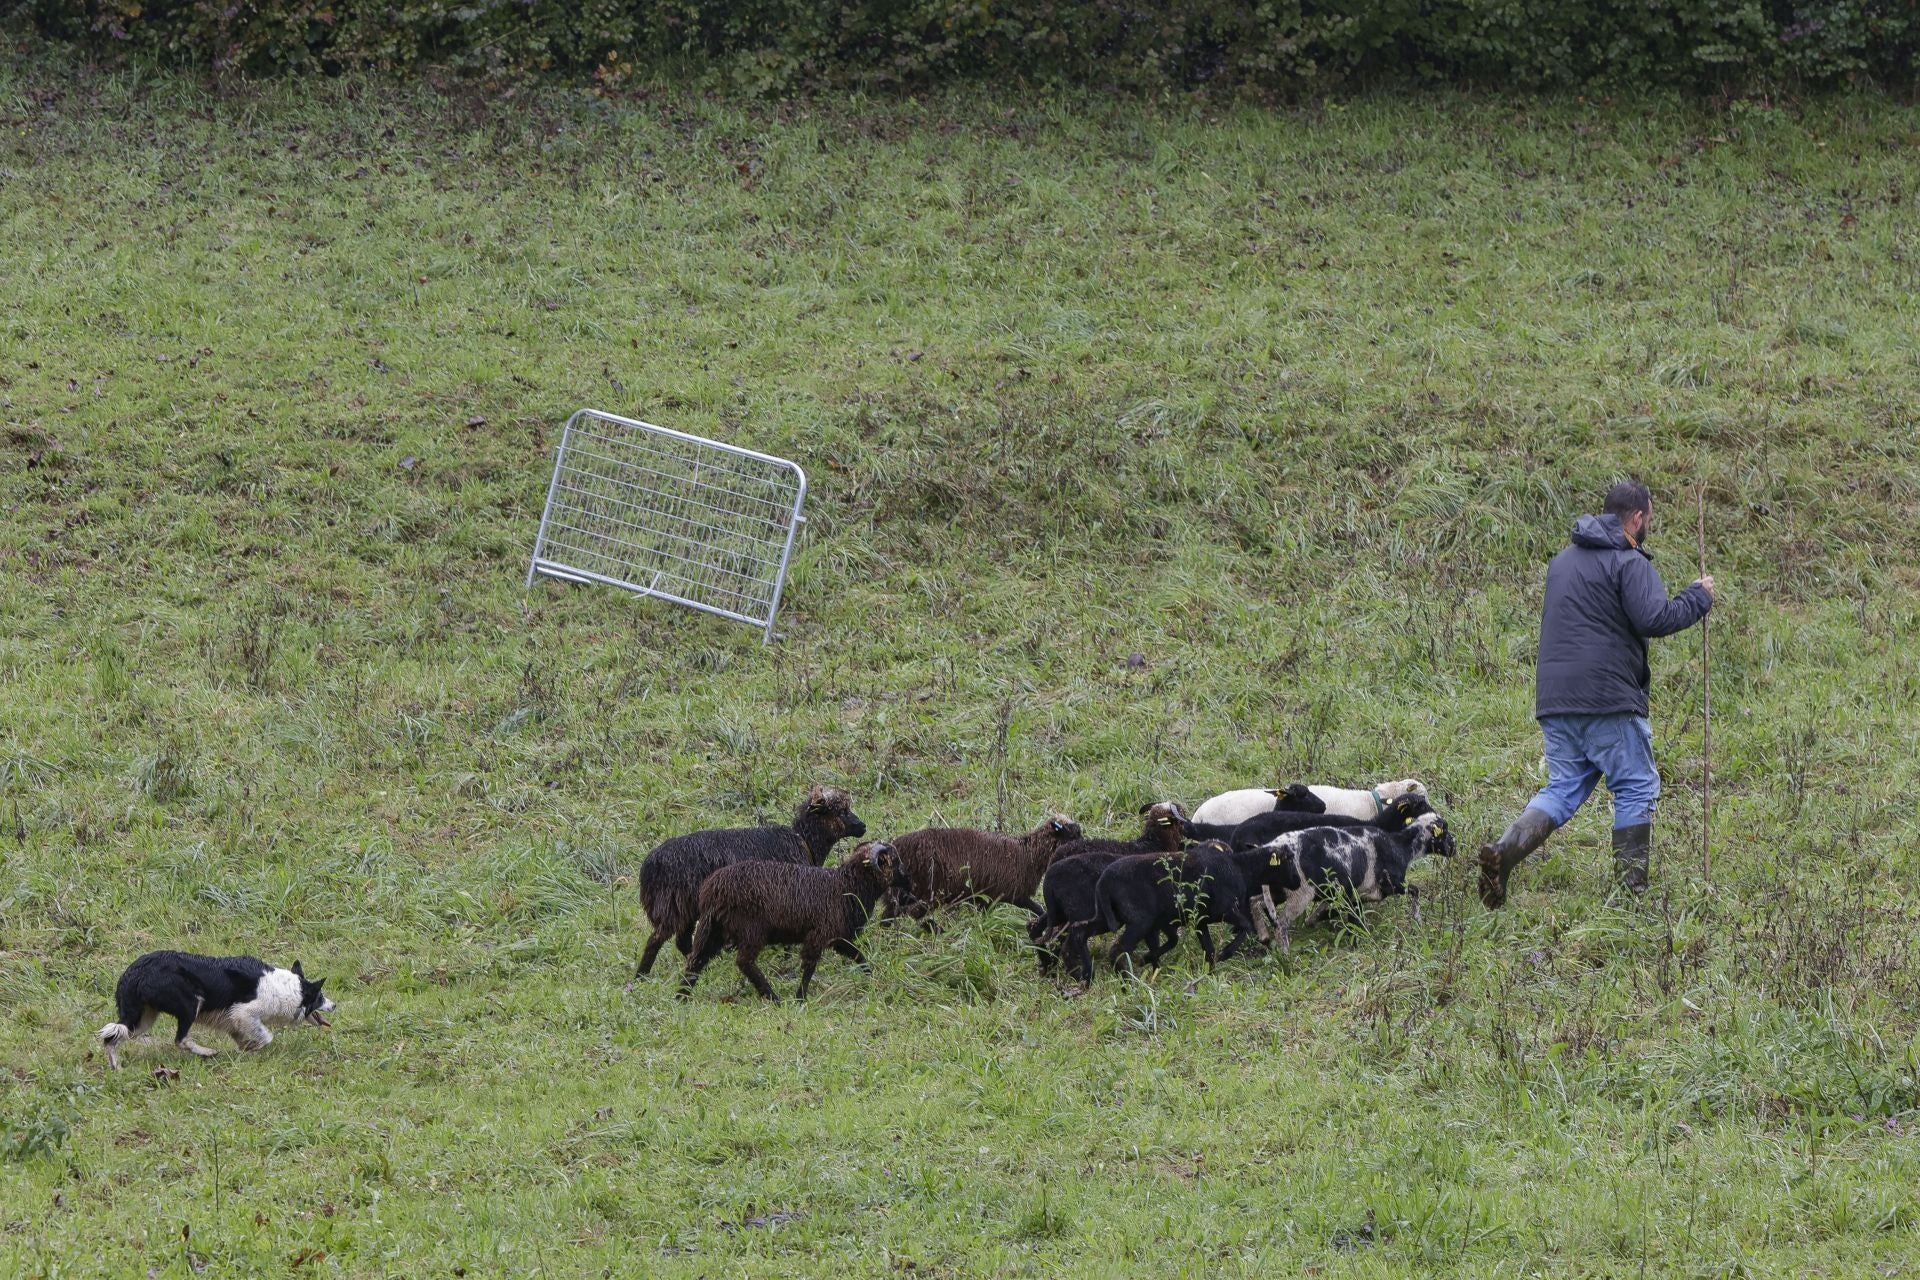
1233 807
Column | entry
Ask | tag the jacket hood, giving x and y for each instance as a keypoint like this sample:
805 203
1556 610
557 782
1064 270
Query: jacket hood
1602 533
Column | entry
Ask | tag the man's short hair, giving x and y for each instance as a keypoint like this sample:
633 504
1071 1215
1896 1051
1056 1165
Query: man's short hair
1628 497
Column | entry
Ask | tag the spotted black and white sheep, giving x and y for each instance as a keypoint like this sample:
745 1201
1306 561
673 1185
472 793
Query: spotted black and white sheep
756 904
1346 866
1237 806
1264 827
1069 882
1139 898
953 864
671 875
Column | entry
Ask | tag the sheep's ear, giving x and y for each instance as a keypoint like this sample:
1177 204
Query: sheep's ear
296 970
1148 805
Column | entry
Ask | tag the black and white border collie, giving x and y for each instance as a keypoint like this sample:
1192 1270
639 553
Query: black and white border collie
239 995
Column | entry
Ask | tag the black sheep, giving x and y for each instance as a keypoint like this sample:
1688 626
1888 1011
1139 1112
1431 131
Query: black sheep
1068 884
1209 883
671 876
756 904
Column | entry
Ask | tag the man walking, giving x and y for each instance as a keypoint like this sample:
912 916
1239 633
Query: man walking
1604 602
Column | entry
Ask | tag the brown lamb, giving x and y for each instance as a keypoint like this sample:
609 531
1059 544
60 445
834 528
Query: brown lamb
754 905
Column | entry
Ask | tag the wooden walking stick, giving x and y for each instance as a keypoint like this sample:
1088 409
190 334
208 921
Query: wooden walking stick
1706 711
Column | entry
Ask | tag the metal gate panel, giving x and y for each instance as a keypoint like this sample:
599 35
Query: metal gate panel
668 514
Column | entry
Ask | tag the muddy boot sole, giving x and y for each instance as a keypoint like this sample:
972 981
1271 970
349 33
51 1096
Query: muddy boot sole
1494 871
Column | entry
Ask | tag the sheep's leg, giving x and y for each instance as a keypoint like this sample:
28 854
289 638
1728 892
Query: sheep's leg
1044 941
1045 952
1206 943
744 956
1292 908
1255 909
809 961
1079 942
658 940
851 950
1413 903
1132 937
1242 926
1170 939
684 939
1026 904
1267 913
707 942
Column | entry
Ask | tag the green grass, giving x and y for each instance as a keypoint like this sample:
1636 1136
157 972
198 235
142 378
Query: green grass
1294 405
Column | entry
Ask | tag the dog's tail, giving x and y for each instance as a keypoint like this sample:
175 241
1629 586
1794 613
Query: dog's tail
112 1036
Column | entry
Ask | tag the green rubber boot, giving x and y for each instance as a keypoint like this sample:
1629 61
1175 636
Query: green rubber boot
1632 853
1499 857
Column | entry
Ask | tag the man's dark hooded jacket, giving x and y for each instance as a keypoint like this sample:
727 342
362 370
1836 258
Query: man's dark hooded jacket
1604 602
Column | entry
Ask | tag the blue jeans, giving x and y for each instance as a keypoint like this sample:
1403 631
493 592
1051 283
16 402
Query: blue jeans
1580 749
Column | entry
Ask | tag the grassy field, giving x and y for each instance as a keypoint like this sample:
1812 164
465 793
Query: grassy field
1294 406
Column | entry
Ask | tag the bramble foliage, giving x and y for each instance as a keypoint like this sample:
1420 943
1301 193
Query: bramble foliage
1259 45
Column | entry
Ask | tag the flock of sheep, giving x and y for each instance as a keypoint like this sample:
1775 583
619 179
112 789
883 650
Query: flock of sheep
1244 859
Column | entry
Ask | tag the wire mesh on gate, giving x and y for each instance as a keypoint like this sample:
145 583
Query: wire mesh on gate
672 515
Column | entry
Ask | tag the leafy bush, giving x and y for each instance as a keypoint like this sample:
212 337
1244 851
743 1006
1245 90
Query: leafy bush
1260 45
37 1130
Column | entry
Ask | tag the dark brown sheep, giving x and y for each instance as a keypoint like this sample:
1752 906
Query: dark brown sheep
753 905
672 874
953 864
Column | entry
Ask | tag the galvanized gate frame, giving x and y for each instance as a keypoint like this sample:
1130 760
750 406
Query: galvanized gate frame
753 526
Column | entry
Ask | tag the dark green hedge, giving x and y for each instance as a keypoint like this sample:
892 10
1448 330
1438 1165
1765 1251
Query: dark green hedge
1284 46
